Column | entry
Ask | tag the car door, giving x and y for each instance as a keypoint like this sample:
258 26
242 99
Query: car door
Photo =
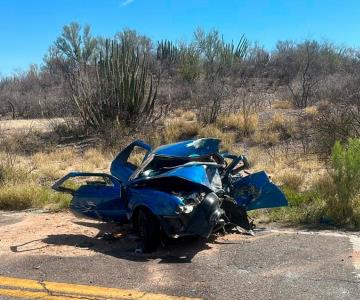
94 195
129 159
256 191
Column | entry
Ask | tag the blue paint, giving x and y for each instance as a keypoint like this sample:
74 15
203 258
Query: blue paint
256 191
190 148
120 167
160 203
195 173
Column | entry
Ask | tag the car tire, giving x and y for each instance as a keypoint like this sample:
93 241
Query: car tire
149 230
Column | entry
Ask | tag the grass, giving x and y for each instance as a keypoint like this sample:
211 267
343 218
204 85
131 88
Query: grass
282 104
178 129
24 195
25 181
242 125
304 208
276 129
227 139
292 179
314 196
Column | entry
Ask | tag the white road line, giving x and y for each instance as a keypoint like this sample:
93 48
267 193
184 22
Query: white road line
355 242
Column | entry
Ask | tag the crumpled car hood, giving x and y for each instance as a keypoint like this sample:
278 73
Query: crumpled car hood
204 174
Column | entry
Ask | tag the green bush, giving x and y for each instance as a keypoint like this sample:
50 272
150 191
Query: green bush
342 202
304 207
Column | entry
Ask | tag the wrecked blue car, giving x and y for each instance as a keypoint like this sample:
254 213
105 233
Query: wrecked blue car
186 188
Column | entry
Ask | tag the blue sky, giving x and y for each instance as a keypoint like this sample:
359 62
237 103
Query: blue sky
28 28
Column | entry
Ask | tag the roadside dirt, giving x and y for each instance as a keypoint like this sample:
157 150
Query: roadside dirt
31 231
63 234
42 125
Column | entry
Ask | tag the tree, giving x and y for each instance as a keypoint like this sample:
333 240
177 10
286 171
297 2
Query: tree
75 46
219 59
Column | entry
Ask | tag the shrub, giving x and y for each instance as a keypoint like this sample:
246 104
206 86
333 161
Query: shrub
345 175
23 196
227 138
304 207
280 124
292 180
180 130
244 126
280 104
266 137
189 116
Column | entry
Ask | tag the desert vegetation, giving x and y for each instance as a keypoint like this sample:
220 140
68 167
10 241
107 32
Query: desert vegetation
294 111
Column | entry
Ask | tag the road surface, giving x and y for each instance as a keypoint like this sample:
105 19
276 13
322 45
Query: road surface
58 256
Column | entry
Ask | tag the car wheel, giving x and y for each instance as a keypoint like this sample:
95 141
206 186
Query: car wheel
149 230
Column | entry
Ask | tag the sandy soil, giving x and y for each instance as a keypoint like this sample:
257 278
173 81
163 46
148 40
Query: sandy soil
43 125
32 233
63 234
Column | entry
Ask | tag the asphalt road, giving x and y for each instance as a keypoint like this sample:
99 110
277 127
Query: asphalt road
276 263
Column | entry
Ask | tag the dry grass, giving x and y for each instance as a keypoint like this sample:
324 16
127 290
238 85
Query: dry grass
189 116
179 129
291 178
178 112
311 110
243 125
96 158
278 122
25 181
282 104
266 137
227 138
25 195
276 129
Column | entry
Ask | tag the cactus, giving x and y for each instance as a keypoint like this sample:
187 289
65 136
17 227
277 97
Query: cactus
167 51
119 88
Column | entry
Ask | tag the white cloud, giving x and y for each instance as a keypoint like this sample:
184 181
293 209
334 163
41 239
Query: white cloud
126 3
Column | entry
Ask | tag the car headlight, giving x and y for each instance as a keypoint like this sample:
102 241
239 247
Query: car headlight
185 209
190 202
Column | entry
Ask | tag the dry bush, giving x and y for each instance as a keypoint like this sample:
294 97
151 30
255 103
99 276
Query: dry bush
311 111
178 112
292 179
266 137
227 138
278 122
278 128
24 142
281 104
95 158
189 116
177 130
243 125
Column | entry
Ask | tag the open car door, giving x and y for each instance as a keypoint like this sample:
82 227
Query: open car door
95 195
124 163
256 191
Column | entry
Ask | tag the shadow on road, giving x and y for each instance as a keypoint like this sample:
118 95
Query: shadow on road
123 243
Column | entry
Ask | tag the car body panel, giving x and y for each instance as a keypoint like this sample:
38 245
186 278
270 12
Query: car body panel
256 191
190 148
120 167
